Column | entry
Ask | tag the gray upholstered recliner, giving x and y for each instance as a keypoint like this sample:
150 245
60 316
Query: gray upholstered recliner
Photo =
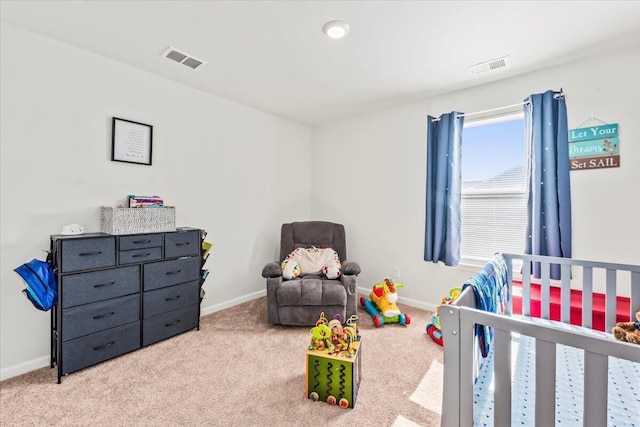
301 300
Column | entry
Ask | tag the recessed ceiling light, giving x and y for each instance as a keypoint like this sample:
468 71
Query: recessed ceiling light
336 29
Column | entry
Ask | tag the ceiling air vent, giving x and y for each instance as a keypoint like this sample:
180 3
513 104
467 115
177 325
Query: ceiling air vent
492 65
183 58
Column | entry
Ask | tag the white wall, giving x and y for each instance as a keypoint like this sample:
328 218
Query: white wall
221 164
379 184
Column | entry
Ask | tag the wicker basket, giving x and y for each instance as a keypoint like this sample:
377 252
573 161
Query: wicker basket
137 220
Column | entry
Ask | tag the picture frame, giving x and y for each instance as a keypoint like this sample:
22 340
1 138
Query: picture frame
131 142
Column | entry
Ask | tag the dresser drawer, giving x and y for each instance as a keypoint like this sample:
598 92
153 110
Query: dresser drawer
182 243
170 298
168 324
139 255
92 349
98 316
140 241
85 254
167 273
83 288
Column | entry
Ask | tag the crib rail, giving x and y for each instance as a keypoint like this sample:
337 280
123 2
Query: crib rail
460 346
459 321
580 269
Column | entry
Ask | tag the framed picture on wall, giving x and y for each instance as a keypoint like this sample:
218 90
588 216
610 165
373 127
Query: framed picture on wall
131 142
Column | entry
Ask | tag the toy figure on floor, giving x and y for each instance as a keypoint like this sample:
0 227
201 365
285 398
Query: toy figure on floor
434 330
382 306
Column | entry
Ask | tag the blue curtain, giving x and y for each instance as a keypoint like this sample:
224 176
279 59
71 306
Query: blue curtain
548 191
444 186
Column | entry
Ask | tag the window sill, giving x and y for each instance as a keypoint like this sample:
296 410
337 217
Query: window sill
475 265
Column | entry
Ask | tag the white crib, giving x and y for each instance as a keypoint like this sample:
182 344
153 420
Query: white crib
550 340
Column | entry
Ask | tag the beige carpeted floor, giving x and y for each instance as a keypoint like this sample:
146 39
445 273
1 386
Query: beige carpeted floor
237 371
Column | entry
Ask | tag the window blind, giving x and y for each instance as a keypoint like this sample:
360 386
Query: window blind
493 220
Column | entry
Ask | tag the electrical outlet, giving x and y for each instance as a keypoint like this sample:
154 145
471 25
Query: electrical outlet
396 272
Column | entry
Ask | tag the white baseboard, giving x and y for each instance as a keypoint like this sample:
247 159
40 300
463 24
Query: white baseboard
227 304
403 300
24 367
417 304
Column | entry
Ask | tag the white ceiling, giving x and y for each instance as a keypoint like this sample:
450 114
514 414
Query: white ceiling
272 55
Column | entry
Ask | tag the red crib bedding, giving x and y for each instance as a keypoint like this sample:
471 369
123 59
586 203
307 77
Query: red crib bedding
598 320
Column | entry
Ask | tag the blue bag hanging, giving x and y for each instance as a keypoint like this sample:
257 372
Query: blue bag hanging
42 288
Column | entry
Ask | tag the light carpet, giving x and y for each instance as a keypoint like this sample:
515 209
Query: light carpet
237 370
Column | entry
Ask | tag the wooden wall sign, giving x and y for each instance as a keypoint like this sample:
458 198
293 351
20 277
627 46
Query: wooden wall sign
594 147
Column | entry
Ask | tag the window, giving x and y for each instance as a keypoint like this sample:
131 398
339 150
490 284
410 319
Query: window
493 206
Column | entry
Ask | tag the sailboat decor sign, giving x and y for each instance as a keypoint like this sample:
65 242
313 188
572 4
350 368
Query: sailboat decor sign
594 147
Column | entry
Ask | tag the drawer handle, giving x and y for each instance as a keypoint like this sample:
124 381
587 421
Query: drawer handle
90 253
138 242
183 244
102 285
172 323
102 347
172 298
141 255
102 316
173 272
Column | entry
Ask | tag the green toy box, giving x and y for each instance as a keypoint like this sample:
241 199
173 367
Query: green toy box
334 378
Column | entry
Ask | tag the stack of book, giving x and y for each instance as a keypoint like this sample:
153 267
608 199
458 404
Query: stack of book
146 202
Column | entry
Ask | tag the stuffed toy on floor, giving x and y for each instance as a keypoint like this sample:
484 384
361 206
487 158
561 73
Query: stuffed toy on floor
628 331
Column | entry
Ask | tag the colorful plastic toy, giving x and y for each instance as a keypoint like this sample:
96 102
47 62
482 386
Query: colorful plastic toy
331 336
320 338
434 333
333 362
434 330
382 306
